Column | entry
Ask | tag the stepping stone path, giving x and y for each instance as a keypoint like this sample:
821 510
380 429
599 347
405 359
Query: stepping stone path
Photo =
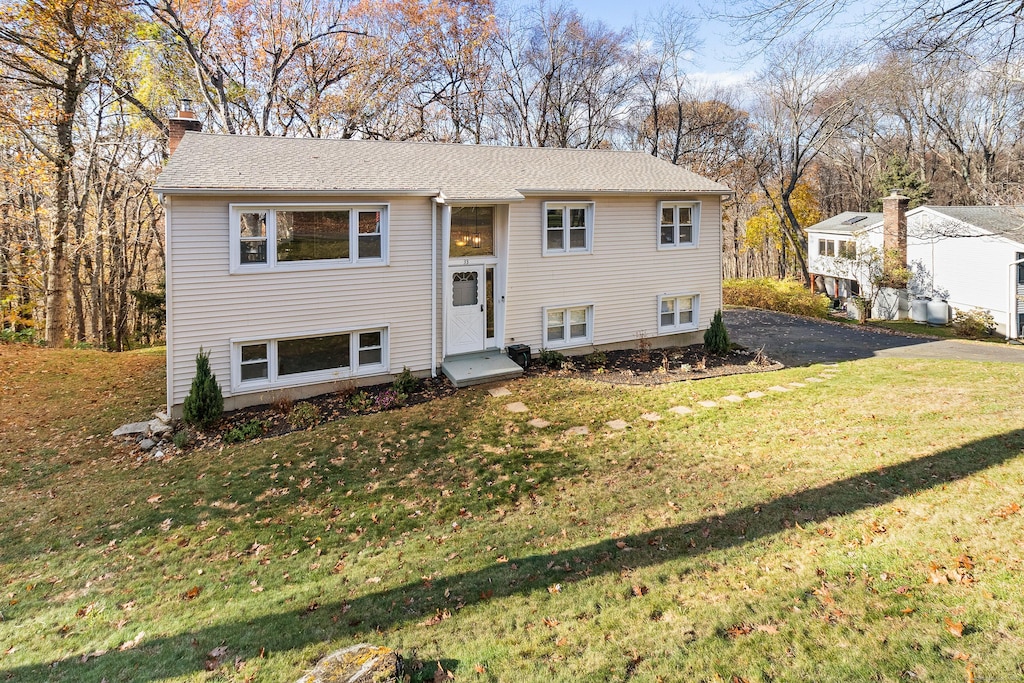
827 372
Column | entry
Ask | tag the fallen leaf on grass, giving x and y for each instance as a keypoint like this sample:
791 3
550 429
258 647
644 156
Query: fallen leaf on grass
556 588
640 590
550 622
130 644
961 656
739 630
216 657
955 627
1011 509
442 675
562 642
479 668
438 617
192 593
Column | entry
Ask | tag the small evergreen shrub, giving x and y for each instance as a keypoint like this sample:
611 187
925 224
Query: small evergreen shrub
405 382
247 431
785 296
551 359
974 323
303 416
716 338
182 439
205 403
597 359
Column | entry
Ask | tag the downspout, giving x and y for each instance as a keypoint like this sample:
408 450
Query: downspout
446 222
168 301
1011 309
438 200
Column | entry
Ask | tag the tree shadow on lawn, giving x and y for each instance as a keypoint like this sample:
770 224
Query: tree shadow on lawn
183 654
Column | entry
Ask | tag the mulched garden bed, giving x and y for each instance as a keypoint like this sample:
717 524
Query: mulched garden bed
659 366
628 366
283 417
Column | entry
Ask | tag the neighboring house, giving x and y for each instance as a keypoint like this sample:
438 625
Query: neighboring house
964 254
303 265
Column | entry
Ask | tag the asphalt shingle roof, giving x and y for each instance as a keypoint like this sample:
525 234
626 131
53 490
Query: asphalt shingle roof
206 162
844 222
1000 220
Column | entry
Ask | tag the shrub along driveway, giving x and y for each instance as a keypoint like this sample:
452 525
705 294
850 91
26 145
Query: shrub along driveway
795 340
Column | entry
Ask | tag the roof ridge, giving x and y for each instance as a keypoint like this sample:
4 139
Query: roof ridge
432 143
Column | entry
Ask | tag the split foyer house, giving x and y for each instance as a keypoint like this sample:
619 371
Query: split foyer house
303 264
968 255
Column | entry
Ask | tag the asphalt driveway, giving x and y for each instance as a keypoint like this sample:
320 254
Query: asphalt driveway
794 340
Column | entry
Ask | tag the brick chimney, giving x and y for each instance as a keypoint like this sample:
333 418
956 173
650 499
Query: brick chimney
177 125
894 230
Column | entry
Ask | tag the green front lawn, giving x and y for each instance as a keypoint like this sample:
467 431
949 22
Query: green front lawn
867 527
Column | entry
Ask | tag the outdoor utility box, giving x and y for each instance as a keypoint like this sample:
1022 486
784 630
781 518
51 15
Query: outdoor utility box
520 353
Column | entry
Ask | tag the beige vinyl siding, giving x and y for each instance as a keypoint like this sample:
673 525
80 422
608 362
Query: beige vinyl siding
209 306
623 276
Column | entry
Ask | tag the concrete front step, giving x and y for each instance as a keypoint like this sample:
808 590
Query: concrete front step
479 368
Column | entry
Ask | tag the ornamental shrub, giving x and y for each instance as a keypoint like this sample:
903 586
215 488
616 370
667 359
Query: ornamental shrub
716 338
204 403
786 296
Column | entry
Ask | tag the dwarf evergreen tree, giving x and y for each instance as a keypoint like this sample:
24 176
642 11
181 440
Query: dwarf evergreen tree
716 338
204 403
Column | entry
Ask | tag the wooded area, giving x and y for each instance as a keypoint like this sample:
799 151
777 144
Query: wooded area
86 88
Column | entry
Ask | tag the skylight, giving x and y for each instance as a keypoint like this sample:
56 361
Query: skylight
853 220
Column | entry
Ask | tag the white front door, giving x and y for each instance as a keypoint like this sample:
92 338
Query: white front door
467 304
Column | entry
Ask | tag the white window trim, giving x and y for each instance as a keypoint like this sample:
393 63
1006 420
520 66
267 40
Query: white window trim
567 343
274 381
272 264
695 216
565 206
686 327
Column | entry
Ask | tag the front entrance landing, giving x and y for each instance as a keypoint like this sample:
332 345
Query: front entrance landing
468 369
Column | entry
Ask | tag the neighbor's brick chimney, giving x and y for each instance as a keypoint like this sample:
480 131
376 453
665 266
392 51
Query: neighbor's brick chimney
177 125
894 229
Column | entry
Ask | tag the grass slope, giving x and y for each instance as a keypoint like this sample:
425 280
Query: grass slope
867 527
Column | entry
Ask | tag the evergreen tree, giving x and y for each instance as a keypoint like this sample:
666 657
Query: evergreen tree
716 338
204 403
898 174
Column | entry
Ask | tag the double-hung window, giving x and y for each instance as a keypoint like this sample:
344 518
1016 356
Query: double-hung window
299 237
678 224
568 227
677 312
826 247
293 361
847 249
568 326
